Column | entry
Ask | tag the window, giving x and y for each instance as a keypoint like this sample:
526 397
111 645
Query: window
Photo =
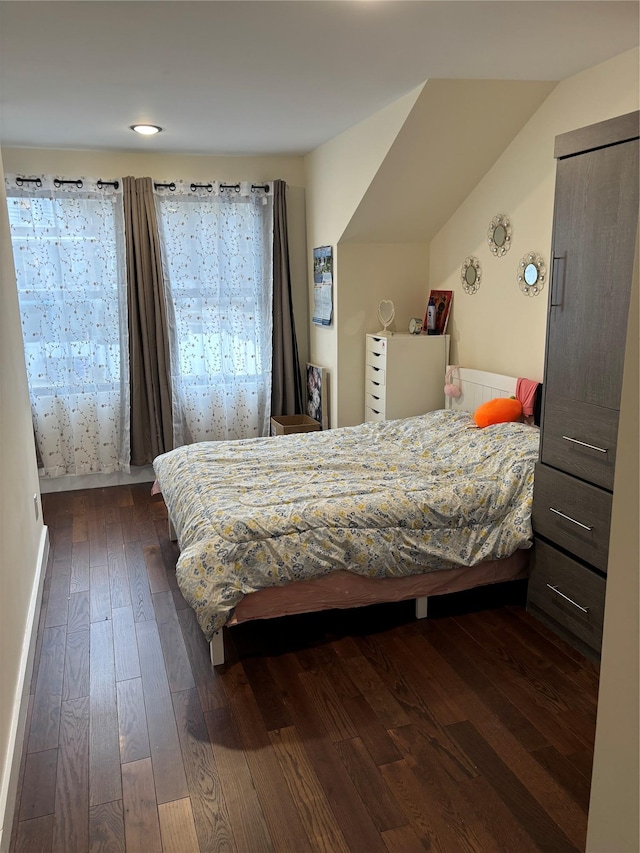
217 259
68 248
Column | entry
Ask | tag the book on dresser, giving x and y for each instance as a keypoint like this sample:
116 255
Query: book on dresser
404 375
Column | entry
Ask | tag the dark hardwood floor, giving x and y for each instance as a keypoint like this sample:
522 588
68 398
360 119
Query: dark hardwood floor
356 731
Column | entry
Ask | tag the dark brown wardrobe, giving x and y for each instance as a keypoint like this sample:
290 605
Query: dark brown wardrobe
594 235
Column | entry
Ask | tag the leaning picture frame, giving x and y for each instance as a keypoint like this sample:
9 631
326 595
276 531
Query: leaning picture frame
317 404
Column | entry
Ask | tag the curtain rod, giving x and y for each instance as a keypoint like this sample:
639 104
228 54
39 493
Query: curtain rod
209 187
58 182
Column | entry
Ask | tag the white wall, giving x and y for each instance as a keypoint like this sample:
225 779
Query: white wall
499 328
337 175
370 273
22 536
615 786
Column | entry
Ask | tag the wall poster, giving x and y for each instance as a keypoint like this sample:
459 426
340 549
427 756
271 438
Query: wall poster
322 285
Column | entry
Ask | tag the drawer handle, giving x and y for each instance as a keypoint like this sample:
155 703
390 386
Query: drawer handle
568 517
566 598
584 444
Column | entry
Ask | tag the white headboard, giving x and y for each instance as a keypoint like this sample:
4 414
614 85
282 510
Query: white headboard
477 387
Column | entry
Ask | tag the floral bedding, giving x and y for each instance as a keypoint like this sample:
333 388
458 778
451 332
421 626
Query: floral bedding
386 499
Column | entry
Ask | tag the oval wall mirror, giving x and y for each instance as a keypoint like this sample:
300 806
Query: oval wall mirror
532 273
470 274
499 235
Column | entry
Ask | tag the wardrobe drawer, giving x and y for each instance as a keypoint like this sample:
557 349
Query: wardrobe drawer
568 592
375 347
572 514
375 374
580 439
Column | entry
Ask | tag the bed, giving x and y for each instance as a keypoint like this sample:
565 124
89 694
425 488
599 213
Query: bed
352 516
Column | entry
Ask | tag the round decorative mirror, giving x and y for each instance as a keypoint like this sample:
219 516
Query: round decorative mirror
470 275
499 235
386 313
532 273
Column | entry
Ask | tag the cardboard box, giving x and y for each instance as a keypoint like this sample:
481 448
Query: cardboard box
287 424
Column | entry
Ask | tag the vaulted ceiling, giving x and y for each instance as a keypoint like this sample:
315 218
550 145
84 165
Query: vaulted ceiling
256 78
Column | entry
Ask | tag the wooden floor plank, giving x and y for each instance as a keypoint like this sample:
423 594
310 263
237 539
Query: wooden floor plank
39 784
563 772
518 799
58 603
97 538
176 659
315 812
455 668
442 792
118 574
245 812
35 836
351 815
156 572
371 732
141 823
106 828
80 567
177 828
138 582
100 594
79 617
417 707
446 648
132 721
402 840
281 815
71 831
541 706
45 720
207 679
389 711
208 802
125 644
168 767
380 802
426 821
76 665
104 749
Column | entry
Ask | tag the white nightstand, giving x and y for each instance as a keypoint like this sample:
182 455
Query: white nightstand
404 375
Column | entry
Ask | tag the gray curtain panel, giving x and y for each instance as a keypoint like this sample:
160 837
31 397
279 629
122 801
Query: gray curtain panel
286 381
151 426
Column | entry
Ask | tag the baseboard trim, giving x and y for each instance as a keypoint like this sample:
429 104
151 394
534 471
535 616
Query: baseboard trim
11 770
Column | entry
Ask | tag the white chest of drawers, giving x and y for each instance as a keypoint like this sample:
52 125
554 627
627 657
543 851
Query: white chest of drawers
404 375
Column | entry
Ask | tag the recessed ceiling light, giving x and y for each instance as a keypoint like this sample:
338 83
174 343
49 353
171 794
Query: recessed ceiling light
146 129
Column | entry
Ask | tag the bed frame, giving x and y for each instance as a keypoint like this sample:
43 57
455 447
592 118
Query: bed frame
477 386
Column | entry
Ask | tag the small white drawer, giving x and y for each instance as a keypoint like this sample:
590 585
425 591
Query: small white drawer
375 374
375 401
373 414
376 346
377 359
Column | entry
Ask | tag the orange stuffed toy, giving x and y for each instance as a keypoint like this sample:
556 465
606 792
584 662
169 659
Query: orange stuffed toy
498 411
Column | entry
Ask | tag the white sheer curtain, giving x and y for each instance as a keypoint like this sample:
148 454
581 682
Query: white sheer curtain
68 247
217 247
